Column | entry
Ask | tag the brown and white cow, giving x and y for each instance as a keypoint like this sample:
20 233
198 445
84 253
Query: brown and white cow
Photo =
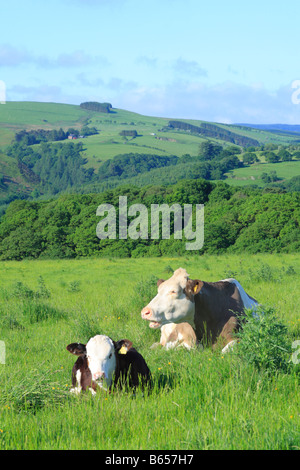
103 362
211 308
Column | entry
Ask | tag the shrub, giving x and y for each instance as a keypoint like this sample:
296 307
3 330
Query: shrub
74 286
264 341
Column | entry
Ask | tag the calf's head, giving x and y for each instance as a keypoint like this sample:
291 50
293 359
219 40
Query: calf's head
100 352
174 302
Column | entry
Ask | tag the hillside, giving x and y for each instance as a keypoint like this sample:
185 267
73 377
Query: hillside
138 149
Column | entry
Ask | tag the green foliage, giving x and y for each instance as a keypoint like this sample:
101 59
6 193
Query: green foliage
40 135
211 130
128 133
272 157
95 106
269 178
235 221
249 157
128 165
264 341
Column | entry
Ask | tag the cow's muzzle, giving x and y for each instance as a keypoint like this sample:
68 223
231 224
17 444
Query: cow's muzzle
147 314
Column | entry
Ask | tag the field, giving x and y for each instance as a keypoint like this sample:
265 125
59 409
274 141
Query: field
251 174
199 400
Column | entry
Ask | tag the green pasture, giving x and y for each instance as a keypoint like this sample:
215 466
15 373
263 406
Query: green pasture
26 114
199 399
252 174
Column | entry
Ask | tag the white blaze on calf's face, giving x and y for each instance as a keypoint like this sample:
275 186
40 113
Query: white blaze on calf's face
171 303
101 358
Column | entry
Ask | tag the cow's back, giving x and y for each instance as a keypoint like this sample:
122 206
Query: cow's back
217 307
132 369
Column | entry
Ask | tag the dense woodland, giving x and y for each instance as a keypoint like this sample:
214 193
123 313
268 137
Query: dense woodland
248 220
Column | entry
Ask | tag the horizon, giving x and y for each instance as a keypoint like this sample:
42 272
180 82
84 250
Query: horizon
226 62
164 117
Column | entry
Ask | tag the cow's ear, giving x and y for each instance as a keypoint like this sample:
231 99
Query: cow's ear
193 287
159 282
123 346
77 348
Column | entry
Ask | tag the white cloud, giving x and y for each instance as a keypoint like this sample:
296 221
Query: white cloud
224 102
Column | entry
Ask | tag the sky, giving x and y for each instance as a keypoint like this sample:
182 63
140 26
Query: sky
224 61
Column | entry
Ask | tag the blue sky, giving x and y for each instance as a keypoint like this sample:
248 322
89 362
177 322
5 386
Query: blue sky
220 61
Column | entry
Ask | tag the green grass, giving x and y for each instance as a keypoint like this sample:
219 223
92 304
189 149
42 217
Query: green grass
31 113
252 173
200 400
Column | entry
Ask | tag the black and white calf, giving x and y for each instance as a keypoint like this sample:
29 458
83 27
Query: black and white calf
103 362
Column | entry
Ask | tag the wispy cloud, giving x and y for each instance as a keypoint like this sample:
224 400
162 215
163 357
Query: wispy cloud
11 56
148 61
188 67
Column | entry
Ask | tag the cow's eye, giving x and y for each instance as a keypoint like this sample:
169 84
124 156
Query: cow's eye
173 292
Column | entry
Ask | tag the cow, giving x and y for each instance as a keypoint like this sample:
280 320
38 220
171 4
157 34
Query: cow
177 335
211 308
104 363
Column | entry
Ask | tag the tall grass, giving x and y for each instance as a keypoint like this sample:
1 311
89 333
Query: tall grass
248 399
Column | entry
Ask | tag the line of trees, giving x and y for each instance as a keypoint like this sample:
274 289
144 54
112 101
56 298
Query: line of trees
215 132
37 136
95 106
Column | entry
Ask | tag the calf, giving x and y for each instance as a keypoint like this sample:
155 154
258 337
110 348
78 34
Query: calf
103 362
177 335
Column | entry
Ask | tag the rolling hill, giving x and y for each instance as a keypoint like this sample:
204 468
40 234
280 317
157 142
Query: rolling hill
121 132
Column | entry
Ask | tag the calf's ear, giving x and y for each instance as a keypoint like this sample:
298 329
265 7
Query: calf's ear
77 348
193 287
122 346
159 282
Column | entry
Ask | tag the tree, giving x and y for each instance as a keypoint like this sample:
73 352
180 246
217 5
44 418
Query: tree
249 158
208 150
284 155
297 155
271 157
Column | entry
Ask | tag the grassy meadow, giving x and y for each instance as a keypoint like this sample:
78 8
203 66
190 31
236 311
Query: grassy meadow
251 175
199 399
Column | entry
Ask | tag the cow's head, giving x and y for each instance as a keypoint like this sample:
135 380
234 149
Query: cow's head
100 352
174 302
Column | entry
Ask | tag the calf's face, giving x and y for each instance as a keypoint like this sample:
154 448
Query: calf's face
100 352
